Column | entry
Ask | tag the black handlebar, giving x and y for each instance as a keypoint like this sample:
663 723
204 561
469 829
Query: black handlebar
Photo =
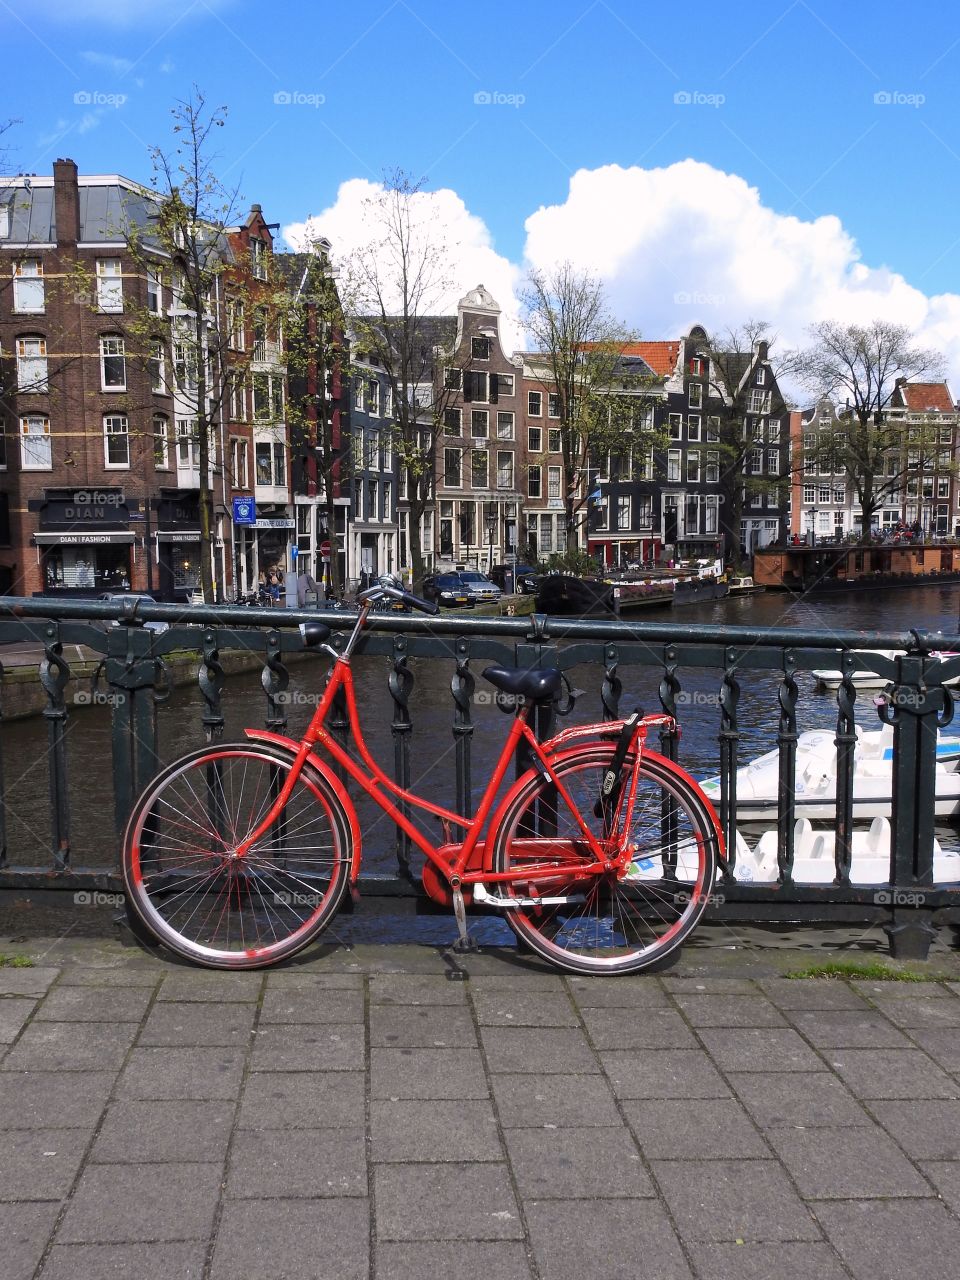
404 597
425 606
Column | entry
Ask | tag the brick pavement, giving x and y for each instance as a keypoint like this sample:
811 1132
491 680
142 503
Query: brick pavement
387 1113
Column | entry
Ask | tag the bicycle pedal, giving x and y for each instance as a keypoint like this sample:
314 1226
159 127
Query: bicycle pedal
465 945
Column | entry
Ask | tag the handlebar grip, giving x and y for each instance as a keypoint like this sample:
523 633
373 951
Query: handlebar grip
425 606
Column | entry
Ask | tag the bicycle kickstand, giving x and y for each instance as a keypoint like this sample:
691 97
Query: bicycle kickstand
464 942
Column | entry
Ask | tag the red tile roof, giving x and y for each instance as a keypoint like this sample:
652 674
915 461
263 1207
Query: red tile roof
922 397
660 356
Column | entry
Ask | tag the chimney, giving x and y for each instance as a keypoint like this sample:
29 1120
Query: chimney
762 349
66 201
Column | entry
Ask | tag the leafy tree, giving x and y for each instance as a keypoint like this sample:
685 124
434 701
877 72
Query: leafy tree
393 287
579 357
858 366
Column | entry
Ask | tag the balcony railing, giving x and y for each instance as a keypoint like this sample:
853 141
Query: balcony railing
732 690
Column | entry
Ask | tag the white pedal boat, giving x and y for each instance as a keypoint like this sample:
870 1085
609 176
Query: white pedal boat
758 783
814 858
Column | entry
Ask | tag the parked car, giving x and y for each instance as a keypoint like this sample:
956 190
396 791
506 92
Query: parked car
480 587
115 597
448 591
526 578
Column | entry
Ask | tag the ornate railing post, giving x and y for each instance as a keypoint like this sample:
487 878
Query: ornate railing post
846 744
612 686
210 679
461 687
131 673
274 678
787 695
669 688
917 711
54 674
729 736
401 686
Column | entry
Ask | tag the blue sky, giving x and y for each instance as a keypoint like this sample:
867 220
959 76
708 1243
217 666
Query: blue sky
820 111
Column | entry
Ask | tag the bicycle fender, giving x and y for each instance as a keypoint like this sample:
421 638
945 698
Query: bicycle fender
290 746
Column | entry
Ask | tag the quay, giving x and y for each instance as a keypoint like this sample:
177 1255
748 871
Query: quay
399 1112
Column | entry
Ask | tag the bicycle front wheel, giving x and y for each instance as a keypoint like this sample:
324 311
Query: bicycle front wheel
226 912
605 922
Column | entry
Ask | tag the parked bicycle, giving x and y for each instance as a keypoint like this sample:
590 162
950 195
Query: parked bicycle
601 855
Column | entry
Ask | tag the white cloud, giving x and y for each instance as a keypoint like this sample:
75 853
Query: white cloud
691 243
444 217
117 66
683 244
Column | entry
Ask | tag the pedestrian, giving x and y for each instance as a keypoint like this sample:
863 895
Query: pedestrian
273 585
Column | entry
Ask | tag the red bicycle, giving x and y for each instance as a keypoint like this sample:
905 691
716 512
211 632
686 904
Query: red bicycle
601 855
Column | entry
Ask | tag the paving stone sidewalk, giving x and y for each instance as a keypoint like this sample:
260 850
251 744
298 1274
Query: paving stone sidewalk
386 1113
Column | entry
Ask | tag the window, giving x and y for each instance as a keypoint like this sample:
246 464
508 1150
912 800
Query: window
386 451
554 481
710 515
28 285
644 511
258 258
505 384
453 468
279 464
693 426
823 493
673 465
755 462
773 461
534 482
773 430
388 513
477 389
839 494
157 371
358 395
388 401
505 469
676 425
695 366
187 444
713 430
113 364
184 367
758 401
468 522
116 440
535 404
161 442
756 431
373 500
809 493
479 423
695 395
263 462
109 285
534 439
553 405
268 397
238 463
32 364
761 376
371 448
943 486
480 470
452 379
36 451
504 426
452 423
373 397
623 513
238 398
480 348
154 302
693 466
712 475
555 440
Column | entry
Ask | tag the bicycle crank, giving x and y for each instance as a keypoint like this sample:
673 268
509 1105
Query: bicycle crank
464 941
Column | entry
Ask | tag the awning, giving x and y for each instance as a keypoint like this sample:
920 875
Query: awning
81 539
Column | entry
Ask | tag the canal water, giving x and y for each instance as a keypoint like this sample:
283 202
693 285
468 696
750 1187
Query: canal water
24 743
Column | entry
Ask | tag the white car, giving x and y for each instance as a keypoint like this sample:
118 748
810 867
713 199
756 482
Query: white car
480 586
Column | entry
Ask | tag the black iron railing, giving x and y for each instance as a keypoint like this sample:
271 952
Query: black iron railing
133 672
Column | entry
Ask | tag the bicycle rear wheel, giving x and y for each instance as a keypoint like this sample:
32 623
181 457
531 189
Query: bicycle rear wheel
213 908
605 923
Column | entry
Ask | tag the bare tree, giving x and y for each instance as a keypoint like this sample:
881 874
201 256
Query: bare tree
858 366
393 287
579 356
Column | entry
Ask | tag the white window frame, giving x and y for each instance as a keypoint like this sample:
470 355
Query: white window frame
510 457
116 426
624 512
712 469
531 447
503 379
534 404
480 347
32 459
109 285
106 341
693 426
554 483
674 457
554 437
695 395
505 419
32 360
154 293
675 426
484 481
450 484
479 424
28 283
373 396
448 429
553 405
535 472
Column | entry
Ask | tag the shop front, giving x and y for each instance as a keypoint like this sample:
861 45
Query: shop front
84 544
274 534
177 545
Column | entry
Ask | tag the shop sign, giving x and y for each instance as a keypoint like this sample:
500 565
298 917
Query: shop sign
245 511
80 539
279 522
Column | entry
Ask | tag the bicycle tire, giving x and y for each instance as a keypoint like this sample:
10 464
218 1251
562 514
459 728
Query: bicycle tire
609 925
235 914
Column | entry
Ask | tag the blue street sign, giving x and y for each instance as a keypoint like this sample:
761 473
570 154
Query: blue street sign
244 511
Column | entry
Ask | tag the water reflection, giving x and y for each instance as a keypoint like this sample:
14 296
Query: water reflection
431 708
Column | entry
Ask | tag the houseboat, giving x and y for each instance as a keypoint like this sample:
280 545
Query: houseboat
854 566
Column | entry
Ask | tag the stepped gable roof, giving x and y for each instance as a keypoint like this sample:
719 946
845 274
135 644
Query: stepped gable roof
927 397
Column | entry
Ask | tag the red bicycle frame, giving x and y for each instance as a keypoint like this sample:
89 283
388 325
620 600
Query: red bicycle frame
372 779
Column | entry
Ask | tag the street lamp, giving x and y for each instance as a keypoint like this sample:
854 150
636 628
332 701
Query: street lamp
491 530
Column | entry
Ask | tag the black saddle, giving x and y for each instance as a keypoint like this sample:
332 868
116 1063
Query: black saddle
314 633
537 683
